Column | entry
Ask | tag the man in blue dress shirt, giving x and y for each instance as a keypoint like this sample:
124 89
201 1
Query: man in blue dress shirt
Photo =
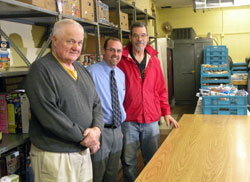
106 160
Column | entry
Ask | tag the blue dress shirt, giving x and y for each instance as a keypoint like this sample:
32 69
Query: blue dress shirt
100 73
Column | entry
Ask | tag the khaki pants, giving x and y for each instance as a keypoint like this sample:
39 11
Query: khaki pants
63 167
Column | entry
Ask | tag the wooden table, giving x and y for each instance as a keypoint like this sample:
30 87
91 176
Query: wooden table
206 148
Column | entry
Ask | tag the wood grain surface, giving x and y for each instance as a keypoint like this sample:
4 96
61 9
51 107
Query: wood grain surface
206 148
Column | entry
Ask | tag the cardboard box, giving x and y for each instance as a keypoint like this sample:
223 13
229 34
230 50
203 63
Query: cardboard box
51 5
14 113
87 9
113 17
10 163
25 113
90 44
5 128
39 3
124 21
71 7
103 12
3 109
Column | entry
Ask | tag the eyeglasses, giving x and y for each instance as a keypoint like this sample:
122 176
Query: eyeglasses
136 36
114 50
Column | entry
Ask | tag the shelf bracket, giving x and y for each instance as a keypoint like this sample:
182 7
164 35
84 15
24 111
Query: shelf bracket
45 46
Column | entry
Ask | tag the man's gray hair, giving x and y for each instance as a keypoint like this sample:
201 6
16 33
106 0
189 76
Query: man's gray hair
58 26
136 25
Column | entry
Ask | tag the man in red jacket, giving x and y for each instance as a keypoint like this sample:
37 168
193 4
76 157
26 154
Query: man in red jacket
146 100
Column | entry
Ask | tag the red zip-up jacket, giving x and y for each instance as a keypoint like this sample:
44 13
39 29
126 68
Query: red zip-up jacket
145 101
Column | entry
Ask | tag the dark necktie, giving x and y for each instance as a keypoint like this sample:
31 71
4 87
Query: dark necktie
115 101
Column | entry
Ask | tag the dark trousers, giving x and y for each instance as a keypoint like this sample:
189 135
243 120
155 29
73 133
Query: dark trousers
106 160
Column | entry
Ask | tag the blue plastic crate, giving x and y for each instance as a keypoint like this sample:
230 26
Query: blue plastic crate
240 64
211 79
212 48
216 55
225 110
239 72
224 101
239 69
216 60
209 75
211 83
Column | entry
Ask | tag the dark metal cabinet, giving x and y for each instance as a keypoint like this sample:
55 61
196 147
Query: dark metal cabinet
187 58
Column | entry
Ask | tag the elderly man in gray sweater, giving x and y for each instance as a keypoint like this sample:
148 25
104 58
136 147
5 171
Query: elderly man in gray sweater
66 113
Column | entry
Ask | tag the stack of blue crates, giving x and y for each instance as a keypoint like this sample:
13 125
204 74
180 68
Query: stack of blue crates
239 68
224 105
216 60
216 56
215 76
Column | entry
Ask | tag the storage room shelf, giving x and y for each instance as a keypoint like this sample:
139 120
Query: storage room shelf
14 71
11 10
11 141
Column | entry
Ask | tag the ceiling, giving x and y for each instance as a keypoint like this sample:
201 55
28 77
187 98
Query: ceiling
199 4
174 3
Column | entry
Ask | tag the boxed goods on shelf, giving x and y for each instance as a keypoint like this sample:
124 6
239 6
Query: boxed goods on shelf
3 114
10 163
113 17
71 7
216 55
25 112
14 113
39 3
87 9
48 4
224 100
51 5
4 55
8 84
10 178
103 12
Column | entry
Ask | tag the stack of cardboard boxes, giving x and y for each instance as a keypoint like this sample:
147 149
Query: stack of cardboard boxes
87 9
78 8
113 17
47 4
82 9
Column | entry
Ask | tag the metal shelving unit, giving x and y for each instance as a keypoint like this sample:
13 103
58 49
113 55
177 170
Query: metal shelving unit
134 15
15 11
15 71
11 141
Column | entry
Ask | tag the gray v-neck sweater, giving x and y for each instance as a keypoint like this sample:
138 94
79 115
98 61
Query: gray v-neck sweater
61 107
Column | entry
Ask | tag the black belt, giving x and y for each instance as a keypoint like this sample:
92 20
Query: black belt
112 126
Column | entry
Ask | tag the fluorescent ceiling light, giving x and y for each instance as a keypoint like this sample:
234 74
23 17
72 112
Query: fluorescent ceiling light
204 4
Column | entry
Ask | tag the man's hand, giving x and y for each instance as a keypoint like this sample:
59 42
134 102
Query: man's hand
169 119
91 139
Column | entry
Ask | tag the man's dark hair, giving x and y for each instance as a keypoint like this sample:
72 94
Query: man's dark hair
108 39
138 24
